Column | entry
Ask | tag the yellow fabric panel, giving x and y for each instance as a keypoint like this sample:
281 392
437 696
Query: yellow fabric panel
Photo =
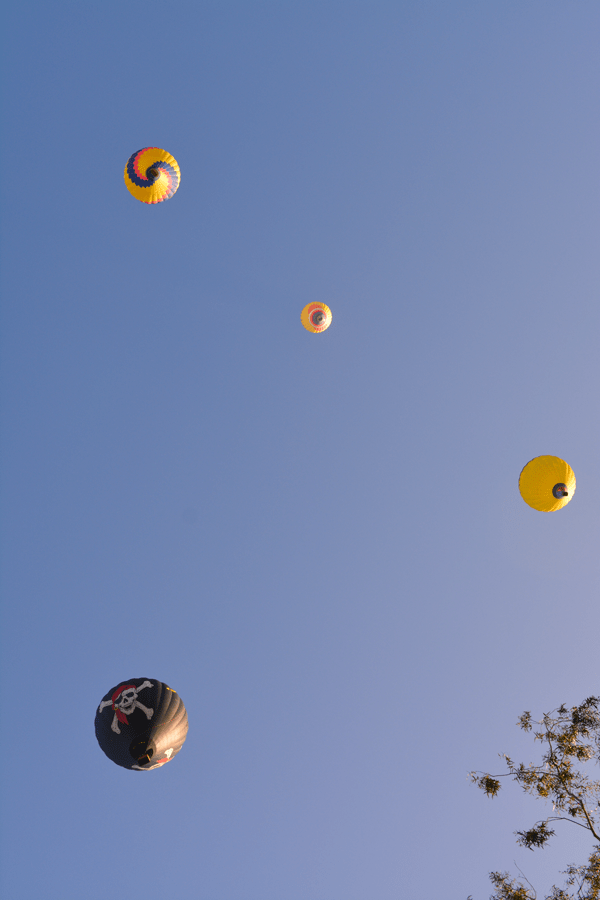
539 477
154 154
147 156
306 313
150 194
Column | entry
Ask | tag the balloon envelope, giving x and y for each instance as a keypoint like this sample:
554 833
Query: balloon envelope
316 317
141 724
547 483
152 175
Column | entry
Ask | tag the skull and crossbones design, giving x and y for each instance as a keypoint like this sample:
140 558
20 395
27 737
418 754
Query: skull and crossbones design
124 701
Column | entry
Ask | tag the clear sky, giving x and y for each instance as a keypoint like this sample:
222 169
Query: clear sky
317 540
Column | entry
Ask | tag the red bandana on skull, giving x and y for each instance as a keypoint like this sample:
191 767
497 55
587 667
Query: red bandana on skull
121 715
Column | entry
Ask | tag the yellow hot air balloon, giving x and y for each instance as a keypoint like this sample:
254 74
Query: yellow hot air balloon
316 317
547 483
152 175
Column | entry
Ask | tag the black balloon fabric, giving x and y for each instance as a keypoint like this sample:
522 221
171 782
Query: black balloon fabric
141 724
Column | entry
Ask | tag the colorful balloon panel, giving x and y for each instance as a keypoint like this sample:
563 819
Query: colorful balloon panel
316 317
152 175
547 483
141 724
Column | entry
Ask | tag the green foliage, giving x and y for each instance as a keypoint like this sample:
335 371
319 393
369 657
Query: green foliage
570 738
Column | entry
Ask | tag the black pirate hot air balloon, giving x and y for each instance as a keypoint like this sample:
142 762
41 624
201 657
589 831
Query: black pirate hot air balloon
141 724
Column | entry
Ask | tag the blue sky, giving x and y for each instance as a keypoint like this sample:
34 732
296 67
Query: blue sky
317 540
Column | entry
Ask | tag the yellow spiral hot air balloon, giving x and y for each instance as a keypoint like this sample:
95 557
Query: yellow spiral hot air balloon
316 317
547 483
152 175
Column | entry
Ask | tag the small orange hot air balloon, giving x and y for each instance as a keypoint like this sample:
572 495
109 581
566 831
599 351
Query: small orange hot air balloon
547 483
316 317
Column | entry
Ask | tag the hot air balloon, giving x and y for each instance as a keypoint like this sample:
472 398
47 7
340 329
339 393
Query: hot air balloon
152 175
141 724
547 483
316 317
